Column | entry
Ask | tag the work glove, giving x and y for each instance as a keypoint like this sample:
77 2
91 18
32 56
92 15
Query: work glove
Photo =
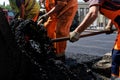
74 36
109 30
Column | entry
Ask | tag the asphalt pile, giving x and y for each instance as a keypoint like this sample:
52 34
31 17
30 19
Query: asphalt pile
38 49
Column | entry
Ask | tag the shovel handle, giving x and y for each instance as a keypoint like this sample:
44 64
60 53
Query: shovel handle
81 36
60 39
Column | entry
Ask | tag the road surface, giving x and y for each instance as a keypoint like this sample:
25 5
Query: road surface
96 45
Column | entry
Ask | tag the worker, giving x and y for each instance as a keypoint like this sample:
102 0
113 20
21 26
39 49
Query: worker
27 9
110 9
61 14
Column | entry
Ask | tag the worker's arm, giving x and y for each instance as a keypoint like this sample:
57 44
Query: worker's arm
87 21
60 4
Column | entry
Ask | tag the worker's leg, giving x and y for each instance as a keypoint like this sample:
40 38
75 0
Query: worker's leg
63 28
115 68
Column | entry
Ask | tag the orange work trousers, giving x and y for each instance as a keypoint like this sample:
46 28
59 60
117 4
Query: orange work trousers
60 26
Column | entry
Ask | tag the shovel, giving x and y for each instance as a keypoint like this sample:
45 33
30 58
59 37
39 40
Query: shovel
83 35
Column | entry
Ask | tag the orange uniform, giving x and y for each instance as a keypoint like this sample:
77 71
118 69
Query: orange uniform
113 12
59 23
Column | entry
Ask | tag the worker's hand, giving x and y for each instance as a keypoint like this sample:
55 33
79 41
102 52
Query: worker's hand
109 30
74 36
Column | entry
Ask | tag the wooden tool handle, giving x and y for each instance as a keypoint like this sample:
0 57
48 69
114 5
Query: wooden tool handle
81 36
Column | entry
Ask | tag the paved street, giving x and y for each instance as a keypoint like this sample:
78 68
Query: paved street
96 45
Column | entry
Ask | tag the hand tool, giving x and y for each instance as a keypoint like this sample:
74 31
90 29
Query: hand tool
82 35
